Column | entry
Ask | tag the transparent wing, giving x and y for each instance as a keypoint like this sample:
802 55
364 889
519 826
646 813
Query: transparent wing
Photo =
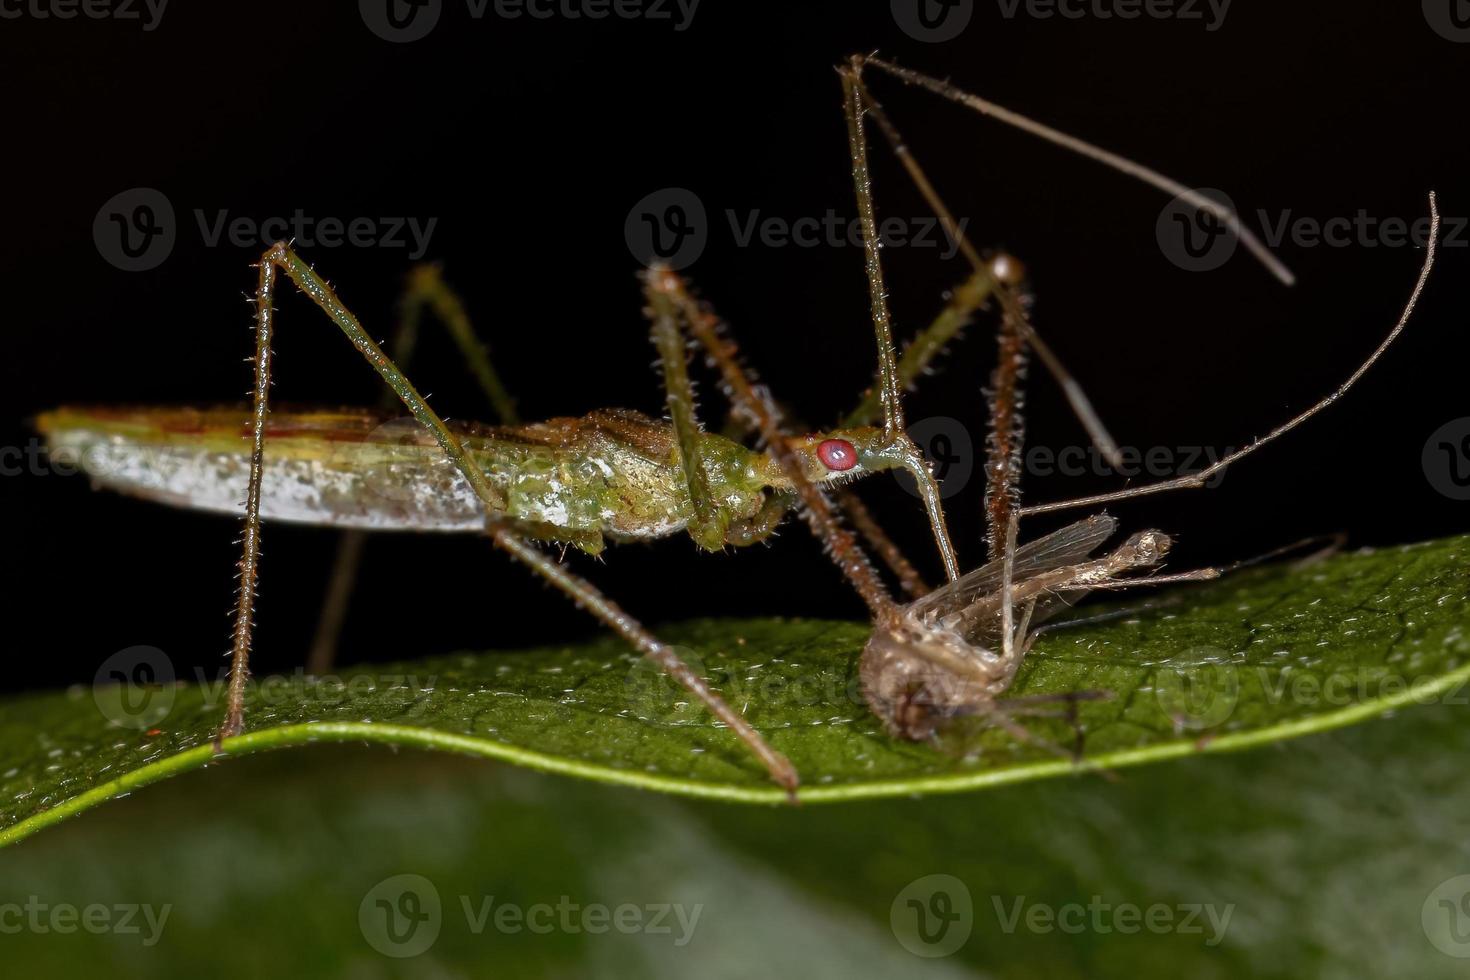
1068 546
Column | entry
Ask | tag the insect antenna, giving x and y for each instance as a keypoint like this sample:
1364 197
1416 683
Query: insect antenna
1122 164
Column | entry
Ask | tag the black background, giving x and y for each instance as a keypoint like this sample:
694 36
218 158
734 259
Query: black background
529 141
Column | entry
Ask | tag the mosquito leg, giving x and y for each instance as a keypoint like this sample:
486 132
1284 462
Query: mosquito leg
1001 275
1194 575
280 258
425 289
1121 164
890 389
1199 479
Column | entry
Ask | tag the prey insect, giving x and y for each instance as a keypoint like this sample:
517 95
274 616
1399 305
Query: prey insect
953 653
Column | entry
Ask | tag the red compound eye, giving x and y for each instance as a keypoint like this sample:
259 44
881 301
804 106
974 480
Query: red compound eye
837 454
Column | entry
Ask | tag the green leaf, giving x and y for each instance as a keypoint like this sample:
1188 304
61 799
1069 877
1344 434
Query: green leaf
1330 860
1260 656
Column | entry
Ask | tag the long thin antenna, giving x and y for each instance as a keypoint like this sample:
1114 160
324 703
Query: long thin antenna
1199 479
1121 164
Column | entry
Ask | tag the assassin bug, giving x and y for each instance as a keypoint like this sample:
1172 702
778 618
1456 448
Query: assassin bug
510 482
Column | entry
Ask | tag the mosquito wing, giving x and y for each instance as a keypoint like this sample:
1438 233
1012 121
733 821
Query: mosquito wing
1068 546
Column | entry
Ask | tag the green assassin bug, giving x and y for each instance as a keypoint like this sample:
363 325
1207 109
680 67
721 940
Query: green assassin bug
610 475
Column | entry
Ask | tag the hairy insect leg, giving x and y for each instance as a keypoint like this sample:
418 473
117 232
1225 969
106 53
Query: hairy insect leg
280 258
668 296
1000 275
424 288
754 530
1196 480
707 526
890 387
